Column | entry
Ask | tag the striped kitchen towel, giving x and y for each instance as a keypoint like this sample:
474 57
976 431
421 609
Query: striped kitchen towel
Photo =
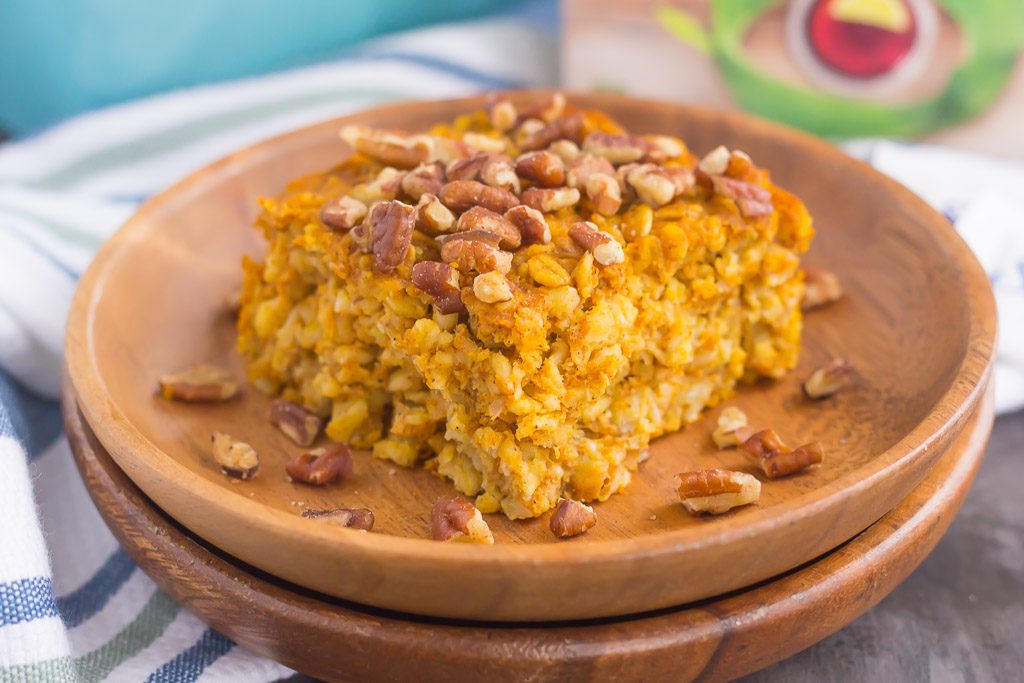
72 604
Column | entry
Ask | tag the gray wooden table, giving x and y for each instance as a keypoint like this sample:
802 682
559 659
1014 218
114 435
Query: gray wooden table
960 616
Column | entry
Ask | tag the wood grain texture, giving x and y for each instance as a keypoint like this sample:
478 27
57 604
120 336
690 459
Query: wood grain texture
717 639
918 322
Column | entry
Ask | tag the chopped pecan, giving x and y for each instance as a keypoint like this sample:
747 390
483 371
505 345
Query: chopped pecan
236 458
295 422
499 171
566 150
461 195
199 383
821 287
827 380
424 179
391 224
584 166
776 459
385 186
682 178
548 199
547 109
616 148
456 519
343 213
716 161
485 143
475 251
542 167
531 224
433 217
502 114
449 150
351 518
604 193
467 168
321 466
394 149
605 248
568 127
479 218
715 491
492 287
572 518
752 200
732 428
652 184
663 147
441 282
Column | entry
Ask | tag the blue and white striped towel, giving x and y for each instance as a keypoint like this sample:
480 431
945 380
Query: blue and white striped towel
72 605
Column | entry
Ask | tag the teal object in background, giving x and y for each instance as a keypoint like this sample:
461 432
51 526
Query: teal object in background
62 57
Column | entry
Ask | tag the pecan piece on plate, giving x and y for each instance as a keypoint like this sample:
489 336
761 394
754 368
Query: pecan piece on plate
461 195
548 199
343 213
485 143
502 114
776 460
568 127
321 466
821 287
467 168
479 218
475 250
716 491
604 193
391 224
492 287
394 149
441 282
236 458
542 167
572 518
652 184
433 217
566 150
752 200
295 422
605 248
616 148
547 109
498 170
533 228
424 179
584 166
351 518
199 383
456 519
715 162
828 379
732 428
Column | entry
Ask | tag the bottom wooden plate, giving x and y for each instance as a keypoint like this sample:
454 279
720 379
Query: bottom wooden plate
716 639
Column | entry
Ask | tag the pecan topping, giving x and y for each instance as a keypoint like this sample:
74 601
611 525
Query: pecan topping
531 224
352 518
547 109
467 168
391 225
618 149
433 217
752 200
484 143
682 178
821 288
424 179
479 218
449 150
236 458
566 150
542 167
604 193
732 429
569 127
502 114
716 491
321 466
394 149
827 380
498 171
342 213
199 383
585 166
652 184
549 199
441 282
663 147
716 161
605 248
456 519
461 195
475 250
385 186
297 423
492 287
572 518
778 461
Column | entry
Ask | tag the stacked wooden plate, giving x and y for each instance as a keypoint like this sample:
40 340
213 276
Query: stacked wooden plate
917 321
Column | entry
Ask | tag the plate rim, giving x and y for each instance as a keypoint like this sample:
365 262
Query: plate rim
936 429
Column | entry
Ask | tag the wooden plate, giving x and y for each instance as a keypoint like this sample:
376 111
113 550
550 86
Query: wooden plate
719 639
918 322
